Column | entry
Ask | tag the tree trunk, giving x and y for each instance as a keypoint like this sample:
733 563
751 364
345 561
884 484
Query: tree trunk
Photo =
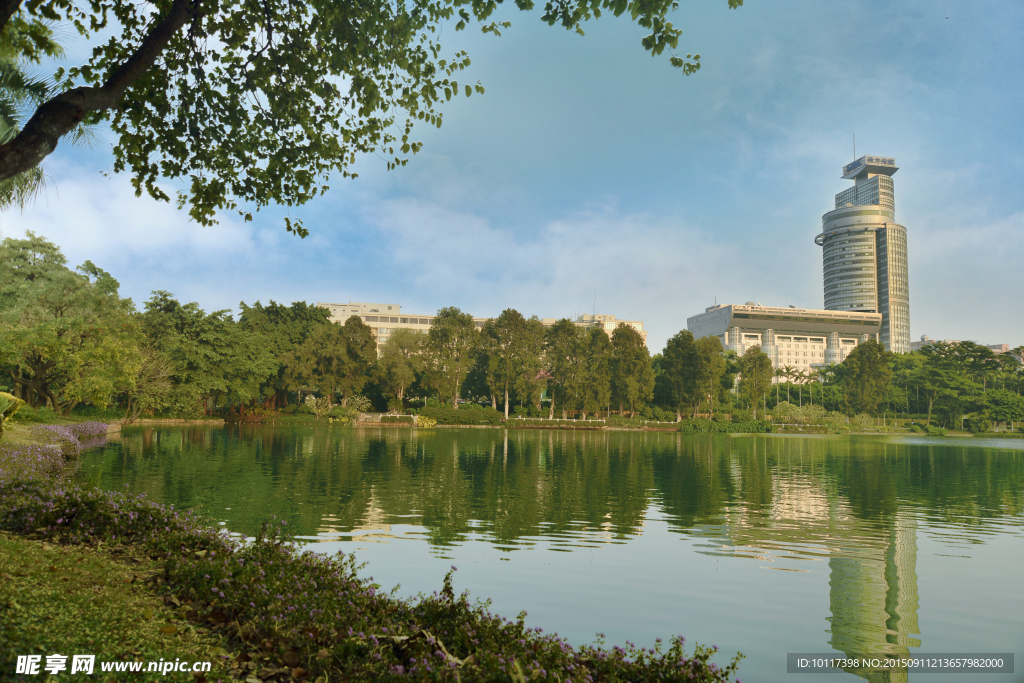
506 401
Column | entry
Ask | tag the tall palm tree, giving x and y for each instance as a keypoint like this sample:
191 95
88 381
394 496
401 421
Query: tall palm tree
788 374
17 90
779 373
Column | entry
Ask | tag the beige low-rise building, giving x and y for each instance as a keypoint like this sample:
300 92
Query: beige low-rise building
383 319
801 338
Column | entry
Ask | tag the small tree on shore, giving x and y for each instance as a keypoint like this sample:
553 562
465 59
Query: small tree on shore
755 376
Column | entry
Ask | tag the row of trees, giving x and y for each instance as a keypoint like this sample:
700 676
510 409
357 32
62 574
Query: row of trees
67 337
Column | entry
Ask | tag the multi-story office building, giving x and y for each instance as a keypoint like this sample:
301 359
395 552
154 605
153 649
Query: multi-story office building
385 318
864 251
801 338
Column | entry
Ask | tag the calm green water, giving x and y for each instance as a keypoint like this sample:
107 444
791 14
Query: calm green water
763 544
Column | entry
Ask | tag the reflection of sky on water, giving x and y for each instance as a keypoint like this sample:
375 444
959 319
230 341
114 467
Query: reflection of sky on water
878 545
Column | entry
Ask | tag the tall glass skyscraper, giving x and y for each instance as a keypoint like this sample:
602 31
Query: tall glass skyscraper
864 251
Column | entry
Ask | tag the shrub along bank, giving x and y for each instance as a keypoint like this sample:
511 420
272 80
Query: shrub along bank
702 425
286 614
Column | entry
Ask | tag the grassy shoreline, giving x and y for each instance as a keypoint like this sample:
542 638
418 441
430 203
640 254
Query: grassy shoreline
172 585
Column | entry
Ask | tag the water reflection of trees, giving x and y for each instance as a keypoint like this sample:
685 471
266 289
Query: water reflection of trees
517 484
854 503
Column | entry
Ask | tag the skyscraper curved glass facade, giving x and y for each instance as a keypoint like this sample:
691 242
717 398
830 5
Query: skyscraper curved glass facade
864 251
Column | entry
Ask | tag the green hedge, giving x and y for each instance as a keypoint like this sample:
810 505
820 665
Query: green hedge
537 423
702 425
446 415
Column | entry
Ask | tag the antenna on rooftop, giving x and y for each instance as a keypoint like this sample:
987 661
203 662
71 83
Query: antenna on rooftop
854 146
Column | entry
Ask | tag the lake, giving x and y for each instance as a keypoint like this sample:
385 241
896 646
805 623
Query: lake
764 544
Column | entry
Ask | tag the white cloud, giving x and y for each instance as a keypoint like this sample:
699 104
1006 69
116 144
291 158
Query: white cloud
965 281
655 269
88 212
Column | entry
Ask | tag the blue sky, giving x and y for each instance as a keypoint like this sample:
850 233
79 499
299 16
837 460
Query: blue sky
590 168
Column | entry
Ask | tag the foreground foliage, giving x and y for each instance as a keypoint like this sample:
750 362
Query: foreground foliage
76 599
294 614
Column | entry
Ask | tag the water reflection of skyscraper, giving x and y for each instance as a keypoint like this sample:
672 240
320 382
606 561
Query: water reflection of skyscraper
872 562
873 596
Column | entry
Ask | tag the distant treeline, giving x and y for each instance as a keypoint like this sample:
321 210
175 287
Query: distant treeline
67 338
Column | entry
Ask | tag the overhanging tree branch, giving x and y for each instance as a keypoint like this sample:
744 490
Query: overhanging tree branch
59 115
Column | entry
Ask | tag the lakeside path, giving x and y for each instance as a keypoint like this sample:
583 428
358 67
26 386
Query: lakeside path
98 574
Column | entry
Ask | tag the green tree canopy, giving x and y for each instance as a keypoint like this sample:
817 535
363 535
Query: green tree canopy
259 103
755 376
631 373
65 336
515 345
212 356
678 362
710 366
566 361
452 340
401 360
865 375
336 358
597 378
284 328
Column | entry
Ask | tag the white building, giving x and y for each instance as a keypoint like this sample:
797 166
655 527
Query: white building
802 338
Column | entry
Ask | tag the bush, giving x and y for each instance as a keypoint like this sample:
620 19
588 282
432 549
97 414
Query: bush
424 422
657 414
978 425
740 415
863 420
538 423
109 413
935 431
752 427
9 406
302 611
476 415
42 415
396 419
258 411
702 425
